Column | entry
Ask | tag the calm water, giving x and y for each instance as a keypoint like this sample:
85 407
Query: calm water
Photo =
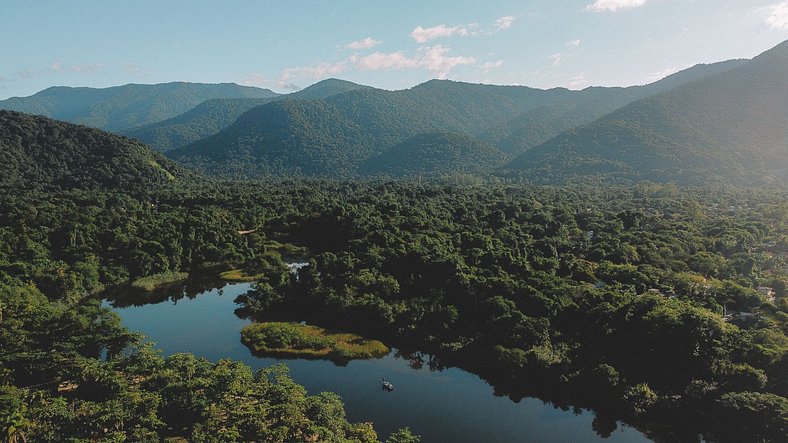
447 406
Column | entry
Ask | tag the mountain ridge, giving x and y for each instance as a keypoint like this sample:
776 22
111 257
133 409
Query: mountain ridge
382 119
211 116
729 126
126 106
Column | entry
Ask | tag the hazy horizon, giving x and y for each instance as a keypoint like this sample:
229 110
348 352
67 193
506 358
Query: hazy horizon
286 47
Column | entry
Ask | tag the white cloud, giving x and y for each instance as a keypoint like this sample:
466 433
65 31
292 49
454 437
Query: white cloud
254 80
321 70
504 22
423 35
778 15
365 43
559 57
86 68
384 60
131 67
489 66
578 81
614 5
654 76
435 59
285 80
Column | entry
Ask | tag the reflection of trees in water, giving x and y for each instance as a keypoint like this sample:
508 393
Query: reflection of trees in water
126 295
604 425
416 359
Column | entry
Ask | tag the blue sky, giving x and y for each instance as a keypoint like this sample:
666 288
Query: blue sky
285 45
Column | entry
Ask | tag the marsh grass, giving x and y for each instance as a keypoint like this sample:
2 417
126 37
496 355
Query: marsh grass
238 275
155 281
295 340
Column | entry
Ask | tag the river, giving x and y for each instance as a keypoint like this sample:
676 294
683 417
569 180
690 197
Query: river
451 405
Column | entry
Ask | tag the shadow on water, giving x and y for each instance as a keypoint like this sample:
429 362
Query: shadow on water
123 296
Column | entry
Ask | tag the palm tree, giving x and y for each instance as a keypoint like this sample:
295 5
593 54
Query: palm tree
11 427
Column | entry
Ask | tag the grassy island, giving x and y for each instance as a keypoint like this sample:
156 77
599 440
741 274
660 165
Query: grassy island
238 275
155 281
298 340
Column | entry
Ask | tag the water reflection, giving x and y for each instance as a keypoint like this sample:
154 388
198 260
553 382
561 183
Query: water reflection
440 402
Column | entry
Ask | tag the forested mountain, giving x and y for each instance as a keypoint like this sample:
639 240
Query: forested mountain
290 137
211 116
128 106
728 127
538 125
326 88
40 152
434 154
361 124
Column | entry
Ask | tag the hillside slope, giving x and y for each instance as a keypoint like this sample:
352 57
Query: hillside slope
729 127
211 116
39 152
539 125
434 154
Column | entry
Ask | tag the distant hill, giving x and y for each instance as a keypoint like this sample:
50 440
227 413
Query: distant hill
333 136
326 88
730 127
345 130
211 116
536 126
41 152
435 154
289 137
125 107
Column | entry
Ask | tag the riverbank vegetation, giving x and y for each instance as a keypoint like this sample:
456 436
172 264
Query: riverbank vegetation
296 340
642 303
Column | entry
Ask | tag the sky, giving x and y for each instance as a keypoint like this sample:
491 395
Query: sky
389 44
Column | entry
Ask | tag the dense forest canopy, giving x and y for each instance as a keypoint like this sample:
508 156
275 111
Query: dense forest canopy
612 298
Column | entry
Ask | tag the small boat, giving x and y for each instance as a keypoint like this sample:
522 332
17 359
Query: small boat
387 386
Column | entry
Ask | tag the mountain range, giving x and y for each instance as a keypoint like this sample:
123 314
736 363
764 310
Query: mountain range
125 107
336 135
717 123
211 116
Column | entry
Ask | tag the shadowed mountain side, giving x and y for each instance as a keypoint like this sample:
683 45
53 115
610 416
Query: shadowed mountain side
211 116
728 127
436 153
539 125
39 152
290 137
